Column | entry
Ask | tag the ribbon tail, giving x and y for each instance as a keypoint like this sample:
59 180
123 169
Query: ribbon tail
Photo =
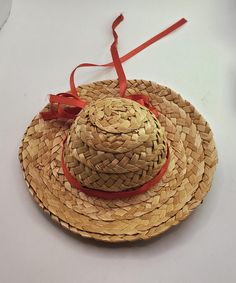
61 110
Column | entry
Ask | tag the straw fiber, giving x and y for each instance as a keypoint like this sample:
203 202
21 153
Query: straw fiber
116 144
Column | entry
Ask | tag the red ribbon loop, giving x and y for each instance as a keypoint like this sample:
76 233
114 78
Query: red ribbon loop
59 106
58 111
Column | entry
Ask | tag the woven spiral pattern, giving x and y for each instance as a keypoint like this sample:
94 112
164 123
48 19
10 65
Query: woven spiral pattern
115 144
183 187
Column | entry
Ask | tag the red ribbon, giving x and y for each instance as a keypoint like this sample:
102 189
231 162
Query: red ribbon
59 103
113 195
143 100
68 105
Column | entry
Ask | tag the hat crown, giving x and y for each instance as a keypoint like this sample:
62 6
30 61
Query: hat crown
115 144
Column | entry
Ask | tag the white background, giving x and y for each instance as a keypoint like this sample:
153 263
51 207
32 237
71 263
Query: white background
39 45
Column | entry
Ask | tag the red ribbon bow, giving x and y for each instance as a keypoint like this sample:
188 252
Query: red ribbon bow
68 105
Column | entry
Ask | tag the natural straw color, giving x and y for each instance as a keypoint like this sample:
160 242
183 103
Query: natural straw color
183 187
115 144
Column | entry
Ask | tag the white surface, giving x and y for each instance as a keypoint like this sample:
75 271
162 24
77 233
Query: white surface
40 44
5 7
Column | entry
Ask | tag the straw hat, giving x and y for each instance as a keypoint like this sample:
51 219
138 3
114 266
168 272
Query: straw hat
120 171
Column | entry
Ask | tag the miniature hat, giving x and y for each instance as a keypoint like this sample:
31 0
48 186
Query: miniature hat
118 160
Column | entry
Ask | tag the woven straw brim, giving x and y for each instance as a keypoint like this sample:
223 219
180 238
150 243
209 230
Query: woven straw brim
183 187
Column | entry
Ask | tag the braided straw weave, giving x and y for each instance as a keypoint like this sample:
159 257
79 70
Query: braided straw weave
97 147
115 144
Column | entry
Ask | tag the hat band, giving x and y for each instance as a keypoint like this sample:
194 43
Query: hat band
114 195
